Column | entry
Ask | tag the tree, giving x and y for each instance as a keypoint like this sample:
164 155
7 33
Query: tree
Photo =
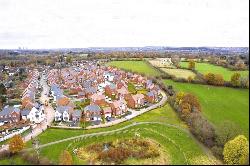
179 97
69 59
192 101
191 65
235 79
176 60
200 127
16 144
209 77
236 151
3 90
218 79
65 158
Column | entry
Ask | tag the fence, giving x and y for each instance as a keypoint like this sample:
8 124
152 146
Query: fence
14 133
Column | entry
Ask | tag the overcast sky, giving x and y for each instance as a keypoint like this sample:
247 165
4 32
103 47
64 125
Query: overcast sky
115 23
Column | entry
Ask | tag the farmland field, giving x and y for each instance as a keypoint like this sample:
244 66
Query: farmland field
220 103
158 63
176 142
136 66
206 67
179 73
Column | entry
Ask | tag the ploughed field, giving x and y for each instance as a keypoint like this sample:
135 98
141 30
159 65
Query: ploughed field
171 138
205 68
179 73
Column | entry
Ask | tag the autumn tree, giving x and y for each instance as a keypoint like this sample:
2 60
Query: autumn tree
218 79
66 158
16 144
209 77
191 65
235 79
179 97
69 59
236 151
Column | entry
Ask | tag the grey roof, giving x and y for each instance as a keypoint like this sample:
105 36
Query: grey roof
61 109
77 113
91 90
86 84
8 110
92 108
25 112
56 89
150 93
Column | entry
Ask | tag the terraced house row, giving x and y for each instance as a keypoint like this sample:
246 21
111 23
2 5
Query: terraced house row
103 92
29 112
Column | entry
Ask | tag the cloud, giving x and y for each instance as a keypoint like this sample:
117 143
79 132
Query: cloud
91 23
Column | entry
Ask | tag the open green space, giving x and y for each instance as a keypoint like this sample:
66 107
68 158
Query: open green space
206 68
220 103
136 66
176 141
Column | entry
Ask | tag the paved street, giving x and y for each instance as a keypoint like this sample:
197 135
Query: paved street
48 110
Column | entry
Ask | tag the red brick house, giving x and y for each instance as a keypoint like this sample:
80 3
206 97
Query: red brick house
135 101
118 107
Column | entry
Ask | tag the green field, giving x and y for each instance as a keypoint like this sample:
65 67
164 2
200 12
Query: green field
220 103
179 73
136 66
176 141
206 67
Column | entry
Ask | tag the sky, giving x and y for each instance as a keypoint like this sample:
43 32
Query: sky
119 23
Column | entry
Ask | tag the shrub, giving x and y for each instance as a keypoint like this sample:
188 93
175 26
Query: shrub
235 79
65 158
236 151
202 129
16 144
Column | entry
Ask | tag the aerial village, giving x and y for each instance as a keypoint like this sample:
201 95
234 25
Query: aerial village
82 95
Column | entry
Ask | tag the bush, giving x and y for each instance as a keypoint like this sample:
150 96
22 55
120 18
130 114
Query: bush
236 151
202 129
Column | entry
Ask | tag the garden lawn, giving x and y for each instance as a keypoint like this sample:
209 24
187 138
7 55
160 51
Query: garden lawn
135 66
206 67
220 103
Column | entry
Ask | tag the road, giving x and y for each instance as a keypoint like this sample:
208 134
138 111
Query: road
48 110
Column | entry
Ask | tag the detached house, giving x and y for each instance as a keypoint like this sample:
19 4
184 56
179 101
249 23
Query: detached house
136 101
92 113
110 90
35 115
63 113
118 107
